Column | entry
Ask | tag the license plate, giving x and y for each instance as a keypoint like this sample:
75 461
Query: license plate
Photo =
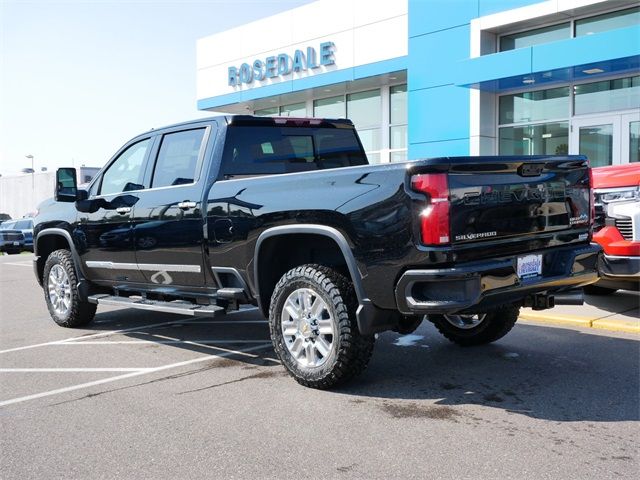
529 266
16 243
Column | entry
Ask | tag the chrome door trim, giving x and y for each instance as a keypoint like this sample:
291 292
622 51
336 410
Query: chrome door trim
152 267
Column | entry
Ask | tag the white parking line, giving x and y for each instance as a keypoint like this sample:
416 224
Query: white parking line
165 342
72 370
110 332
226 353
223 322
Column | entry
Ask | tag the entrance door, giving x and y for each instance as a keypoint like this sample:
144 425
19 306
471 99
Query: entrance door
598 138
630 124
607 140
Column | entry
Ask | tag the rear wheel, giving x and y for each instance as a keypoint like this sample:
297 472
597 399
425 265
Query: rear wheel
596 290
313 327
61 292
477 329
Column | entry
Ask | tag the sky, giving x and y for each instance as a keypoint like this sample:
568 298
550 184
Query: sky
80 78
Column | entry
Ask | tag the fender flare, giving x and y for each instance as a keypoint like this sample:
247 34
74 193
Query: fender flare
313 229
370 318
74 253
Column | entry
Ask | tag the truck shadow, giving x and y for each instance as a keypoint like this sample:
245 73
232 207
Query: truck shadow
542 372
545 373
622 301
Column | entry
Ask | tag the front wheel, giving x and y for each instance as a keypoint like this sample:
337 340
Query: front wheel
313 327
61 292
477 329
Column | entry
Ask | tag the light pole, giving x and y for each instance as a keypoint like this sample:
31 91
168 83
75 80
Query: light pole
33 186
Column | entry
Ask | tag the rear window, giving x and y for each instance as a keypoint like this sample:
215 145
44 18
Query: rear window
269 150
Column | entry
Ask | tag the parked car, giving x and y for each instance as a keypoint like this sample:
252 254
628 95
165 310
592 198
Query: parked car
617 227
11 239
288 215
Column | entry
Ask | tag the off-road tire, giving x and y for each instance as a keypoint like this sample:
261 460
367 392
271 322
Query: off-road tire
352 350
596 290
80 313
497 324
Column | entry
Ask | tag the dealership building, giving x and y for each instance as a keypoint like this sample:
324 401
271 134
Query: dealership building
425 78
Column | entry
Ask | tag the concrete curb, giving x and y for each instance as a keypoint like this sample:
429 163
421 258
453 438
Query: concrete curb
608 323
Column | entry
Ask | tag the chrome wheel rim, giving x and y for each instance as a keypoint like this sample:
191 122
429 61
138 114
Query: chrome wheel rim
307 328
466 322
59 290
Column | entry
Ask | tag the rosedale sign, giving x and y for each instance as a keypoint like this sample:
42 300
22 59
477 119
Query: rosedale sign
282 64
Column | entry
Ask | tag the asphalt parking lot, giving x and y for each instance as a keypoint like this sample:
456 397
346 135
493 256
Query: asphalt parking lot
147 395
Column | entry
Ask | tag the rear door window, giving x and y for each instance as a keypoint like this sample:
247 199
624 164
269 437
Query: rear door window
178 158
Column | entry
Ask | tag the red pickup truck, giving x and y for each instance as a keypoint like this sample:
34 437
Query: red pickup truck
617 225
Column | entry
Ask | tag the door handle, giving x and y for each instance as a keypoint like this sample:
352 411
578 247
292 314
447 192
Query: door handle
123 210
187 205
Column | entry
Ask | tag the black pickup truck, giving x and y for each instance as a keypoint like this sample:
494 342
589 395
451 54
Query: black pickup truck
288 215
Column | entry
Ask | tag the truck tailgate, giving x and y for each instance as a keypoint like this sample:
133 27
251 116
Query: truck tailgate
516 197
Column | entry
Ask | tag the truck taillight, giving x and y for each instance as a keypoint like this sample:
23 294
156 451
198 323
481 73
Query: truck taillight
434 218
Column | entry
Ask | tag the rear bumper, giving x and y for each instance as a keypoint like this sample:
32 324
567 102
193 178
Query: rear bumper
481 285
620 272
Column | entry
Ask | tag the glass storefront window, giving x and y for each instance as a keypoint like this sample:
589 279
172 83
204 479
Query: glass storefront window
370 138
398 122
543 139
398 105
398 156
634 141
608 21
535 106
294 110
608 95
535 37
267 112
332 107
364 108
398 137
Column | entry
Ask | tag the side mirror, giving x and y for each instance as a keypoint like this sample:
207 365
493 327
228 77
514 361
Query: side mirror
66 185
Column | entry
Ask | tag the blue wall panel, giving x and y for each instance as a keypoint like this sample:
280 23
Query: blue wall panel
438 109
554 62
620 43
426 16
434 57
442 112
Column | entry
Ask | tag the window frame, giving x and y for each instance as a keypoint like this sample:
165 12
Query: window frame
551 23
